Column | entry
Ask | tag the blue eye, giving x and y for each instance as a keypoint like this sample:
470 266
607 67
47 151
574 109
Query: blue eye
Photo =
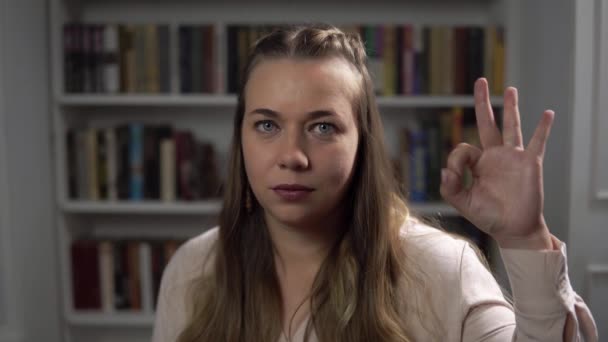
325 128
266 125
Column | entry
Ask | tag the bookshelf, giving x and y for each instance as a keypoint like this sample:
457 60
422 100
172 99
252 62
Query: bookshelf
229 101
209 117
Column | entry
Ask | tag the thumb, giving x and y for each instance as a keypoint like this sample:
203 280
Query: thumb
452 188
453 191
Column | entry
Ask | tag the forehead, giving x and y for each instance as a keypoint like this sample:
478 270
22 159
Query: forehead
293 85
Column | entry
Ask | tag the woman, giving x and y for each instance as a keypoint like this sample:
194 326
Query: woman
315 244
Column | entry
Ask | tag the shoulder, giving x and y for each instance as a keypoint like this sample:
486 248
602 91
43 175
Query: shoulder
433 247
452 264
191 258
454 278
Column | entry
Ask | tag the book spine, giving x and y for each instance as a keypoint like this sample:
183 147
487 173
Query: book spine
167 157
136 161
418 171
98 58
88 58
82 175
106 266
123 167
111 164
121 277
448 61
85 275
151 166
422 44
102 164
196 58
72 164
185 62
134 275
111 68
152 59
145 268
92 161
158 265
131 58
431 128
475 56
164 46
435 55
460 60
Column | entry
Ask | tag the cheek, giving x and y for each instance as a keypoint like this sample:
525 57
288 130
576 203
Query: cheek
256 159
338 167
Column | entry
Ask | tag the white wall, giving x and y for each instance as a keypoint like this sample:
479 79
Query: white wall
25 139
588 223
10 329
546 83
557 72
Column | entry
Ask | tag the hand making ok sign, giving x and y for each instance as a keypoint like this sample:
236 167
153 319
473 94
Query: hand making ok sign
505 199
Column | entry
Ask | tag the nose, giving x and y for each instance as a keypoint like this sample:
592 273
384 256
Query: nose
293 154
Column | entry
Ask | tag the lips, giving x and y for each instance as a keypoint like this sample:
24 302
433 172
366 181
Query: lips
292 187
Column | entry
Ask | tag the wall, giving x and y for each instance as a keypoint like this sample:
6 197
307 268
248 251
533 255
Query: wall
25 138
588 215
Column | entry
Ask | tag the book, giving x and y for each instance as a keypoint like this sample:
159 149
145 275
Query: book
106 267
92 179
111 67
136 161
86 291
145 268
167 172
111 163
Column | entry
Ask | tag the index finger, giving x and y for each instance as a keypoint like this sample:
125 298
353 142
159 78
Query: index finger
489 135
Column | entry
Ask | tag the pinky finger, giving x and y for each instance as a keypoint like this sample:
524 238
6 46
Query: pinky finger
539 140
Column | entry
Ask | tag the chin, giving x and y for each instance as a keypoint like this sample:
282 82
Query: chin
292 216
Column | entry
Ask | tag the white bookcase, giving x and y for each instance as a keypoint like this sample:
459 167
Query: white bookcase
210 116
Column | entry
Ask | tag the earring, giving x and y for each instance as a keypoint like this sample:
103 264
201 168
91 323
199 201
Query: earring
248 200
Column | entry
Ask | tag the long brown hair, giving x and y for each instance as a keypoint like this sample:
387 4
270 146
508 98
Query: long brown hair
359 293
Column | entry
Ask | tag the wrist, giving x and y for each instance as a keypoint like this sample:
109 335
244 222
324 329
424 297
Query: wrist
540 240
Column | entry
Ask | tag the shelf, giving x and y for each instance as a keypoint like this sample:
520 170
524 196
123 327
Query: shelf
169 100
211 100
143 207
433 208
433 101
197 208
125 319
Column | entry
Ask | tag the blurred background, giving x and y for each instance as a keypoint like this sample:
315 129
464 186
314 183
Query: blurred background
115 123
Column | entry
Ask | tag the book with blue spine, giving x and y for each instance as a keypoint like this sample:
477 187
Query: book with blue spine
136 157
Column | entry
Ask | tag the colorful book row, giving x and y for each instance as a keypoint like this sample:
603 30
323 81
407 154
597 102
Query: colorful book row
110 276
406 59
403 59
137 161
137 58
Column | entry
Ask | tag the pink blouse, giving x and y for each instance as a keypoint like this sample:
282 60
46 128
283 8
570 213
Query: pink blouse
465 296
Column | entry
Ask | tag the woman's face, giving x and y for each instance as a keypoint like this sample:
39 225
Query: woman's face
299 128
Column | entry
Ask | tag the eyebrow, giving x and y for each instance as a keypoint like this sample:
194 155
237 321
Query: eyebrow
315 114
